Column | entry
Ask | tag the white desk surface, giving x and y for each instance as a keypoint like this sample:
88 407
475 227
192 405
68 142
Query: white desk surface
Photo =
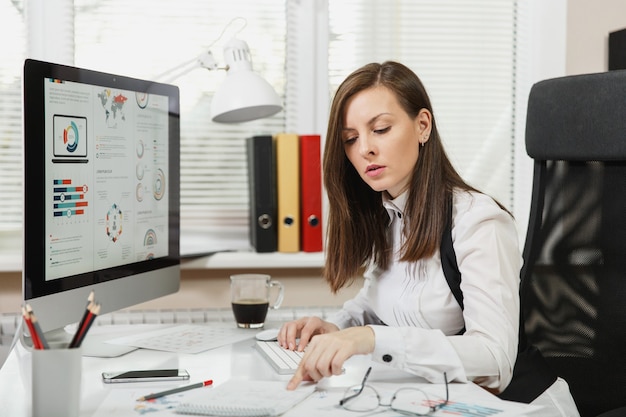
240 360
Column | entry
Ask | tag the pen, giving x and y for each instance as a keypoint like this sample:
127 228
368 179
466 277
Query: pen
175 390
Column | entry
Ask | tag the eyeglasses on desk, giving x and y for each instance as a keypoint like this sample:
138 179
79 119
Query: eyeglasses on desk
409 401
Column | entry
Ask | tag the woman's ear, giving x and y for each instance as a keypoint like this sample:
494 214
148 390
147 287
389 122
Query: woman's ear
423 125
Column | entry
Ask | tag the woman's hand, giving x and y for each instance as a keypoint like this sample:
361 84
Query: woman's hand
304 328
326 353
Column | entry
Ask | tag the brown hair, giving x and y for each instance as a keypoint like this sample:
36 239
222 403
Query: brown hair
357 221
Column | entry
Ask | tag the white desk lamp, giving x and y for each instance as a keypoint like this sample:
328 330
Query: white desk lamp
244 95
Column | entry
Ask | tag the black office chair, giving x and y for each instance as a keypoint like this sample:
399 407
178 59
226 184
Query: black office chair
574 274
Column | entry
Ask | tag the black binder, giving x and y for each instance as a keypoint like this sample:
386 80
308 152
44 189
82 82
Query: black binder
262 186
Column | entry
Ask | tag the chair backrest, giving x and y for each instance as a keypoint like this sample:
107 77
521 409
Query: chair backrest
574 274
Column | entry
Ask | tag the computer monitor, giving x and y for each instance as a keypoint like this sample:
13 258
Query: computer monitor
101 191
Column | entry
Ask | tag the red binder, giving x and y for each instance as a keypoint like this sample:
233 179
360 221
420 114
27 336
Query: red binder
310 193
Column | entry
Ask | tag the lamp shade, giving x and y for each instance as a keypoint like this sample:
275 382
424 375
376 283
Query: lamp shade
244 95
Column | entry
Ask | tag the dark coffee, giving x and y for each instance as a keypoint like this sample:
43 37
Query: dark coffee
250 312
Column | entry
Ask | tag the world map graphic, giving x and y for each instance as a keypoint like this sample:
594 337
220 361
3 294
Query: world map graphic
113 105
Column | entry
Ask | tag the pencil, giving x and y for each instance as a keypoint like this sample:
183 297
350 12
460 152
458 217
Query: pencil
37 327
175 390
94 310
81 323
31 329
90 300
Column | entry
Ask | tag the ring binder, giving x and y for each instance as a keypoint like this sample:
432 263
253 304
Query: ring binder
262 187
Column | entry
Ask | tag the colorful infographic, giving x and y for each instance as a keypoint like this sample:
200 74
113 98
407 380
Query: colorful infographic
107 156
70 136
69 200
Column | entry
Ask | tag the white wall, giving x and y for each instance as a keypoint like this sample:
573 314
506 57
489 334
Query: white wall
542 28
589 25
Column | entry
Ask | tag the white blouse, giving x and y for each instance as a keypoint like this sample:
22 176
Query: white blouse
416 318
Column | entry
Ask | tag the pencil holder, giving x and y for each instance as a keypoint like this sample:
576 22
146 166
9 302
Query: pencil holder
56 379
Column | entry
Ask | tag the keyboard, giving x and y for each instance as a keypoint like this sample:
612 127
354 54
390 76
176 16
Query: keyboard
284 361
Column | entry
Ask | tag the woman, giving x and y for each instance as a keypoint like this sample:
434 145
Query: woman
391 191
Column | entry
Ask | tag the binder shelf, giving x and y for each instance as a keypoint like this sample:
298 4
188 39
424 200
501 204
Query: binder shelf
243 259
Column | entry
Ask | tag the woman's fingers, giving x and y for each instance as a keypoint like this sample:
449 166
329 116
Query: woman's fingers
326 353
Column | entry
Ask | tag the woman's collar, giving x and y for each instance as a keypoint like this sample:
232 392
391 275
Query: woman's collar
395 206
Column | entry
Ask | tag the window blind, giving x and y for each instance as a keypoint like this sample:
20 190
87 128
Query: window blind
12 30
214 190
464 54
463 51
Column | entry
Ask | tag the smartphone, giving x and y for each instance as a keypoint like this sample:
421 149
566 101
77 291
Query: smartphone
145 375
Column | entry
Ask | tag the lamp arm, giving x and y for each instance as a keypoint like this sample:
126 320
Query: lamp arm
204 60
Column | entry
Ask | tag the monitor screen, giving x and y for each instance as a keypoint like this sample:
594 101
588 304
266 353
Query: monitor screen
101 191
